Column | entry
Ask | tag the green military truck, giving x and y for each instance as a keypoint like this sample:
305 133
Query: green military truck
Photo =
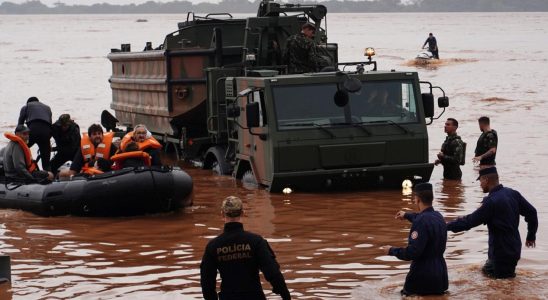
217 93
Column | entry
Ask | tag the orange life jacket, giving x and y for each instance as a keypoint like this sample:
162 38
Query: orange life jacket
29 163
150 142
91 170
90 152
120 158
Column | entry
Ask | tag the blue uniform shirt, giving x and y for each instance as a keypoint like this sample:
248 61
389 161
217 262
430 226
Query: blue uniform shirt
500 210
427 239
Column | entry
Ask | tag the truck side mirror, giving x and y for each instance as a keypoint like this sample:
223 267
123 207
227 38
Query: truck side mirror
428 105
443 101
353 85
252 114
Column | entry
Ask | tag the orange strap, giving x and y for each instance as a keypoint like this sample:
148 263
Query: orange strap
91 171
30 164
119 159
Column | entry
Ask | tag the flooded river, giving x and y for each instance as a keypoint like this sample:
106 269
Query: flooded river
327 244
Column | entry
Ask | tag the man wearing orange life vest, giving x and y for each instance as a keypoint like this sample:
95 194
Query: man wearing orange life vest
145 141
17 158
93 145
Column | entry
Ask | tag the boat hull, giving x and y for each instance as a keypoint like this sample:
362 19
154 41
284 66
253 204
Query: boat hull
119 193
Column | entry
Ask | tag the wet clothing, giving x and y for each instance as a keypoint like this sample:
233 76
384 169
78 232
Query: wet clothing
37 115
15 166
239 255
432 46
453 151
500 210
302 55
486 141
426 245
67 143
506 269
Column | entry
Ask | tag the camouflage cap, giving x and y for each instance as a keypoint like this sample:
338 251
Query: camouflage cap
232 206
309 25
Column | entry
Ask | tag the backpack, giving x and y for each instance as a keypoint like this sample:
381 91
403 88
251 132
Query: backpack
462 158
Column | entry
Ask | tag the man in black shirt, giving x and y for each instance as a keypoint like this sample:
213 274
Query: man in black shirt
432 45
37 115
238 255
66 134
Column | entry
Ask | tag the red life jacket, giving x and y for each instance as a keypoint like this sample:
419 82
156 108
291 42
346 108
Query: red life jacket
29 163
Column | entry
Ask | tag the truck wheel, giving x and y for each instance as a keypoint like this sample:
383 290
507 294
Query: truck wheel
215 160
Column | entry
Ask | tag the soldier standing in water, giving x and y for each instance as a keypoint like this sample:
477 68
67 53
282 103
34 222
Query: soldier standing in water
452 151
486 148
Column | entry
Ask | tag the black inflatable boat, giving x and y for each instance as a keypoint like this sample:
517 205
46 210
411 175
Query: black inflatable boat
126 192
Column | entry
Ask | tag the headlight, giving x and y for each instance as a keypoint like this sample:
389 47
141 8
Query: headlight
369 52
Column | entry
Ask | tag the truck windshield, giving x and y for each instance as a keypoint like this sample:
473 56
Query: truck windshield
298 106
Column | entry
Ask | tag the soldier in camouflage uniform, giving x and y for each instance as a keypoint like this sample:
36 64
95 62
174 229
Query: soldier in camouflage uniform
451 152
486 148
302 54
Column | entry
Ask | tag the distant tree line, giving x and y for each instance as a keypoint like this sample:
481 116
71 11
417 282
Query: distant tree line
244 6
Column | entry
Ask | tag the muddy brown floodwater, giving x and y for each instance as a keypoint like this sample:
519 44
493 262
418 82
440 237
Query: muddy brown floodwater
327 245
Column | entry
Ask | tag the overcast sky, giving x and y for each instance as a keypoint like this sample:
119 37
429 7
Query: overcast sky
89 2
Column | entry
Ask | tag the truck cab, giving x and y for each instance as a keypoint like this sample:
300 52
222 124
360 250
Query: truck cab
309 132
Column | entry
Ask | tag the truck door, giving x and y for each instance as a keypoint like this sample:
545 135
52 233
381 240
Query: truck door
256 146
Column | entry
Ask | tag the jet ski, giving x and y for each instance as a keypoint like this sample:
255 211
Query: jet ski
424 56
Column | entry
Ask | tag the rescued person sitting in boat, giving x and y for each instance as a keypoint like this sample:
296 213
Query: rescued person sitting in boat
94 144
132 157
17 159
145 141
